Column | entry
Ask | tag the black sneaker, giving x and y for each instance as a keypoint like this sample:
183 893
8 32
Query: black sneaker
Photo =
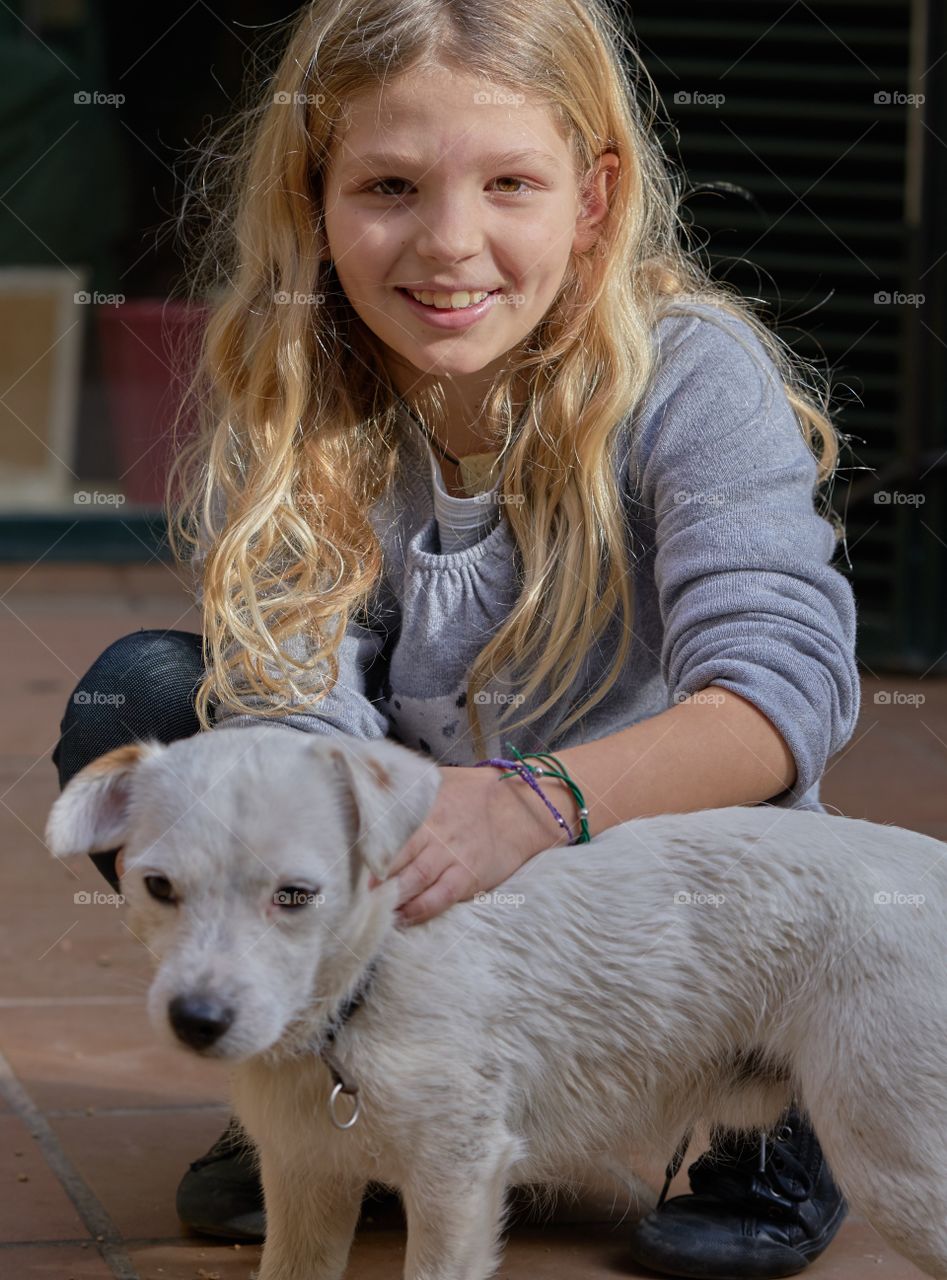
221 1194
763 1207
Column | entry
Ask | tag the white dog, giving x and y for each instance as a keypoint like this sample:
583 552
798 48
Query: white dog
586 1015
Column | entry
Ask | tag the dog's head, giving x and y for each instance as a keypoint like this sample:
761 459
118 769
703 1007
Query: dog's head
246 856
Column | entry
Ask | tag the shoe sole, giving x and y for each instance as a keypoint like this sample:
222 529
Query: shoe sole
220 1231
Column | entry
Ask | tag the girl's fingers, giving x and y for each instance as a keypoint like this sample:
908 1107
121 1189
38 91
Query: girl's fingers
407 854
450 887
419 875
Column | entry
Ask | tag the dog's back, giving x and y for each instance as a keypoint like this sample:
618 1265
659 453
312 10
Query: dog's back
702 965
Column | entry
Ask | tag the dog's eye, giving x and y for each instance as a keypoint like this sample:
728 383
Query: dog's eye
292 896
160 887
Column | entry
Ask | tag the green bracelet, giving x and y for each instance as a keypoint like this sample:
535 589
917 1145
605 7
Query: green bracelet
559 772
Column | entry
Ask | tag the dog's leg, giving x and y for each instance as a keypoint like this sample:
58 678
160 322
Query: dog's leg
454 1217
310 1221
889 1157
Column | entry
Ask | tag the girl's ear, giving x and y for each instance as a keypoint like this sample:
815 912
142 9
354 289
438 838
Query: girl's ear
596 196
91 814
391 788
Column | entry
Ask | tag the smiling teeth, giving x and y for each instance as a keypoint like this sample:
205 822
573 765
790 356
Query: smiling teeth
449 301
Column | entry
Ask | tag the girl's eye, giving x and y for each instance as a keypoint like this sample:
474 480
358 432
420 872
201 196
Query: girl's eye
388 181
291 897
519 181
160 887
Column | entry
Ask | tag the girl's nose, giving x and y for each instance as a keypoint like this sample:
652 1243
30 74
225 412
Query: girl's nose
448 229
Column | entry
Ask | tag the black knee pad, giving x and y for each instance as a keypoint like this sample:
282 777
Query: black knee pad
141 686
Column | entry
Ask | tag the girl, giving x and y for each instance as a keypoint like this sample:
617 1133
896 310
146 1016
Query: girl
489 463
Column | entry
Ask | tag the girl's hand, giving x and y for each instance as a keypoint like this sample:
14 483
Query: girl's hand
481 828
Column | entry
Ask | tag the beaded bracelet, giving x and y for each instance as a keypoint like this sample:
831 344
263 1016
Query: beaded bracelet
519 768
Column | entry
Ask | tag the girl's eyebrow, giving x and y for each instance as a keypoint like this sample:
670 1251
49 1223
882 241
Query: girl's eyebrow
492 160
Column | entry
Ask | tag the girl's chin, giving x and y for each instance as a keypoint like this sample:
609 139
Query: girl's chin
424 361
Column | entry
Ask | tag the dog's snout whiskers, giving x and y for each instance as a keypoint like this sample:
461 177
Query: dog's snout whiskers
199 1021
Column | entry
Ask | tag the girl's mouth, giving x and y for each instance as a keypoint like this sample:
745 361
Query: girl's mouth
449 317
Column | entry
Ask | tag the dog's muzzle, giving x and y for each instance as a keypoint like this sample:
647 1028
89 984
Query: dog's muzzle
199 1021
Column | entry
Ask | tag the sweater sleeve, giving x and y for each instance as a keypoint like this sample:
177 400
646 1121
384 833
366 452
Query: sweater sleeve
349 707
748 597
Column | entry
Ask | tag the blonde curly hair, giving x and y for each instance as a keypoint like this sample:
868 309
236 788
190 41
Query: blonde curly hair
291 453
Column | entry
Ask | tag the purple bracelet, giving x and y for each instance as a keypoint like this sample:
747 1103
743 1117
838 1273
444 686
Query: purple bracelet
527 775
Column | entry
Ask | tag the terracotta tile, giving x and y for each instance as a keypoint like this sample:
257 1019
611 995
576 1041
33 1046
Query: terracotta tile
50 943
35 1206
81 581
51 578
47 654
187 1259
553 1253
859 1251
104 1056
53 1262
134 1162
538 1253
550 1253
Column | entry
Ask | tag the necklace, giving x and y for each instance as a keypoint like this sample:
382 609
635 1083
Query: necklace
476 469
445 453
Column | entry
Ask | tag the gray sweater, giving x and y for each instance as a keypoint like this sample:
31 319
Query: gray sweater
733 583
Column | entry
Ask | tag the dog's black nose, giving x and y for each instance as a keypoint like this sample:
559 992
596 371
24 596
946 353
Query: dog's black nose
199 1020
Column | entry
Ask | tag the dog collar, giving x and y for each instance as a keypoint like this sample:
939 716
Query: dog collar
342 1081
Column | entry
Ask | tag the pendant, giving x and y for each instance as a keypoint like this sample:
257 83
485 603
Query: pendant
478 473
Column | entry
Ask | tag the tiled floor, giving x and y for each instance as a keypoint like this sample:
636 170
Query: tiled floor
97 1122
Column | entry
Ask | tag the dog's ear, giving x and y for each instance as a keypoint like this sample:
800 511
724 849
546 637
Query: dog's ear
91 814
392 790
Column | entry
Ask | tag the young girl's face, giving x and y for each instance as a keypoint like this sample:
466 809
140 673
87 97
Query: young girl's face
428 186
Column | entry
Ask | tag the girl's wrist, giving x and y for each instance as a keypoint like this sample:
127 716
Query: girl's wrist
526 812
